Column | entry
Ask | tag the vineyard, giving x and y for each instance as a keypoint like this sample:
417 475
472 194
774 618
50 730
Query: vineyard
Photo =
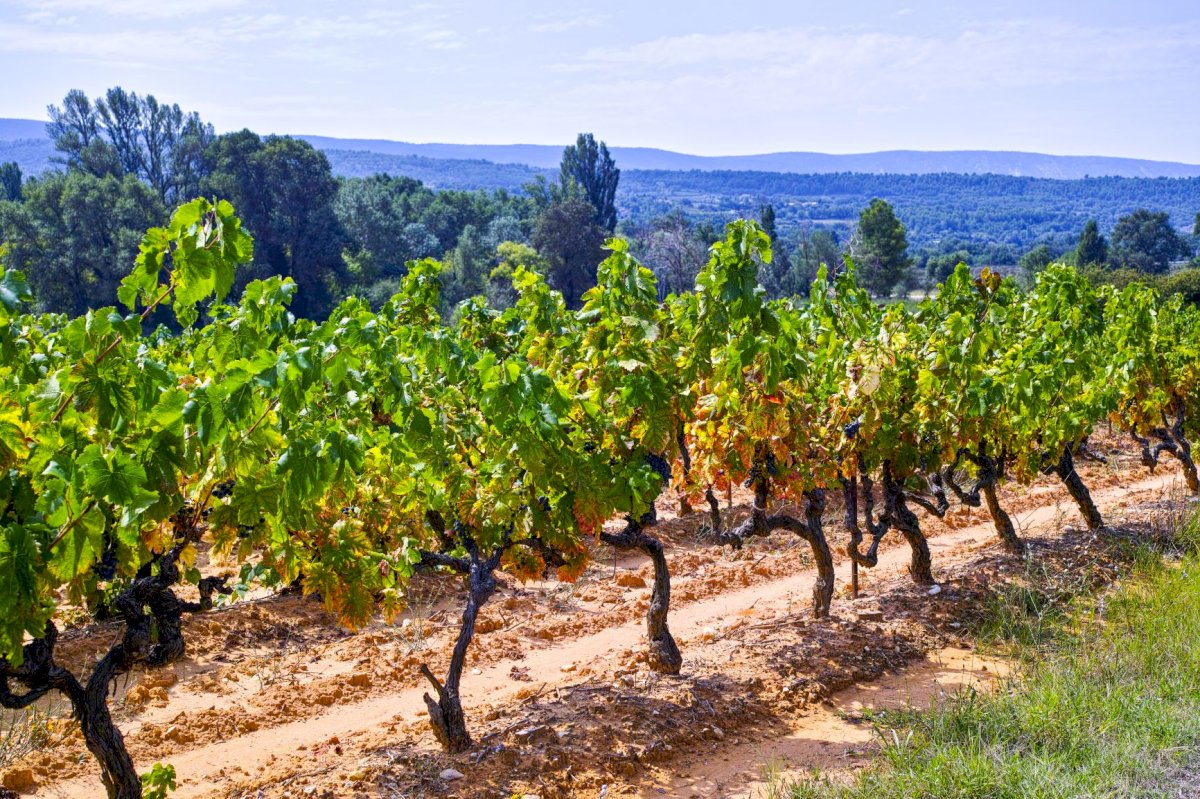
169 465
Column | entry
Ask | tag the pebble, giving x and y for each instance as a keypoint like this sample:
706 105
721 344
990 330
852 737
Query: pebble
449 775
937 589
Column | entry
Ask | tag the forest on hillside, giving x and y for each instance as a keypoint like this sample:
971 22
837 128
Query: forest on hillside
123 159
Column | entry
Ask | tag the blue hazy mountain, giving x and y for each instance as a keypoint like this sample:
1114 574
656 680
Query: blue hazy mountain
901 162
24 140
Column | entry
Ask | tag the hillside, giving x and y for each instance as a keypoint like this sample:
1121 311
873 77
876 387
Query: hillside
546 156
1014 211
13 129
438 173
904 162
1023 198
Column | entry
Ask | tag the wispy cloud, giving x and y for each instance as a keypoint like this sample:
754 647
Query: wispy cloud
1018 52
995 82
564 25
132 9
146 34
1106 78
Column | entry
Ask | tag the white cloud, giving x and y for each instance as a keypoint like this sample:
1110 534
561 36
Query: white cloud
839 63
564 25
792 76
140 9
142 33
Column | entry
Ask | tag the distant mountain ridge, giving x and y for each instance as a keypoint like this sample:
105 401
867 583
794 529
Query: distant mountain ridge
13 129
898 162
27 138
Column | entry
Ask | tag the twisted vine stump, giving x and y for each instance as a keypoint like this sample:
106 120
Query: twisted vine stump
664 655
1173 441
1065 469
153 638
446 715
899 516
990 470
810 529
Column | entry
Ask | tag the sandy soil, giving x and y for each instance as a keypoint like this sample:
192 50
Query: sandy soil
274 700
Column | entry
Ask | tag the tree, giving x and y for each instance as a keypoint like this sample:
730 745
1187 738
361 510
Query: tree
123 133
10 181
816 248
880 248
512 255
768 432
1144 240
588 164
284 190
1035 261
76 235
372 212
766 216
469 265
1151 350
568 236
939 267
1196 227
1092 248
675 252
1185 282
128 471
74 127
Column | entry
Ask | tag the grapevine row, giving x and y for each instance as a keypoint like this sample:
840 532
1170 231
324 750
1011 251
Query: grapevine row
345 456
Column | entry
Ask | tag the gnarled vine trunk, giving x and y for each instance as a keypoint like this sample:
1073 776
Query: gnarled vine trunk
153 638
446 712
810 529
850 494
989 477
1002 521
901 517
89 706
664 655
814 534
101 735
1173 441
1065 469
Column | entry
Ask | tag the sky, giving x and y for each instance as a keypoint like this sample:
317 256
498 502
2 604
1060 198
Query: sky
1079 78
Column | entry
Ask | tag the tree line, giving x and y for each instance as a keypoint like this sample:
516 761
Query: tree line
126 158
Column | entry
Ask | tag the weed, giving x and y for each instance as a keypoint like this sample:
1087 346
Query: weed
28 731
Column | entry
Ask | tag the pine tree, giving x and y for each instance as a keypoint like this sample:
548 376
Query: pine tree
1092 248
767 216
880 248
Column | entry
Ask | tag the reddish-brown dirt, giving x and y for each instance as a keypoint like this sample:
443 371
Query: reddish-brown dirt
274 700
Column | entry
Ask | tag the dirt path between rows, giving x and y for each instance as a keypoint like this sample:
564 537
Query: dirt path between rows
205 771
834 736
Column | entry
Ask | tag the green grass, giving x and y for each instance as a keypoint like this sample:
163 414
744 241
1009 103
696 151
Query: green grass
1107 703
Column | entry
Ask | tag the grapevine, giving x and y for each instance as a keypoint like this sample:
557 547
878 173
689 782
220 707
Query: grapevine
344 456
